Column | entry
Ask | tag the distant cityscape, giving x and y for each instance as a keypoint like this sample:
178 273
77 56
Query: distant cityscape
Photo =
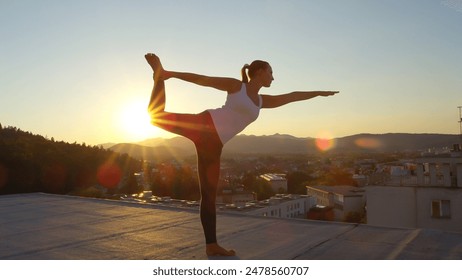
404 190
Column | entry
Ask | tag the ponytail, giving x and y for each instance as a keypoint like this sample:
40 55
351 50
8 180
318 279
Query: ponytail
245 78
249 71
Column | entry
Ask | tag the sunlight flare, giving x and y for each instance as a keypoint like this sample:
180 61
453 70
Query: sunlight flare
135 120
368 143
324 141
109 175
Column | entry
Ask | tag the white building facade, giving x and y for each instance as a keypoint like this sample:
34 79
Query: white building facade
286 206
345 200
432 198
277 181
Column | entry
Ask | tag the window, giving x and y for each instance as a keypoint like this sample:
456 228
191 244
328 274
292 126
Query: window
441 209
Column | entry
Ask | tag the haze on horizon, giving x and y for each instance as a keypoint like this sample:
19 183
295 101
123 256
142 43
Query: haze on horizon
75 71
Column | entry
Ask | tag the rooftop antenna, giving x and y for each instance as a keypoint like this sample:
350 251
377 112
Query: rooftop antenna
460 125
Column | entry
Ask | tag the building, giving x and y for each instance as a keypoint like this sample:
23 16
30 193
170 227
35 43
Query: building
286 206
277 181
345 200
439 171
432 198
236 195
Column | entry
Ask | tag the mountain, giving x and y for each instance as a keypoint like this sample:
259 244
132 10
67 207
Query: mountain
176 142
274 144
157 153
390 142
159 148
396 142
106 145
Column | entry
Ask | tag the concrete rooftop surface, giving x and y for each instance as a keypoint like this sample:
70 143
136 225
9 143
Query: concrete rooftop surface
56 227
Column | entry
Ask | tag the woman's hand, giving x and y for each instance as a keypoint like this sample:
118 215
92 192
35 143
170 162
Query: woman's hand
327 93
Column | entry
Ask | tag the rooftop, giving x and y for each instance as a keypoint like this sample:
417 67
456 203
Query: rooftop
273 177
54 227
343 190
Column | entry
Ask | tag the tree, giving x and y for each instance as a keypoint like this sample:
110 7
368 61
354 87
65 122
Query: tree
335 176
257 185
131 186
32 163
297 181
175 181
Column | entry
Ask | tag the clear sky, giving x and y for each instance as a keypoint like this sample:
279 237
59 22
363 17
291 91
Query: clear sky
75 71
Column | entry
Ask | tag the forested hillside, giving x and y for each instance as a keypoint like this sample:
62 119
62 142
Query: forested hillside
33 163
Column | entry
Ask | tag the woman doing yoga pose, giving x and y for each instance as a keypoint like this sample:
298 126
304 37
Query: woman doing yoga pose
211 129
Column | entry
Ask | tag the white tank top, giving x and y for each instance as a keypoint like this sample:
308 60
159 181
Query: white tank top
238 112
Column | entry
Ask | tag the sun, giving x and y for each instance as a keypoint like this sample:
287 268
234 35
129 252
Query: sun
135 121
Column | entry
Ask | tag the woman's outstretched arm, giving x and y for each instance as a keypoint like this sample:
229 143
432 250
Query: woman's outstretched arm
273 101
229 85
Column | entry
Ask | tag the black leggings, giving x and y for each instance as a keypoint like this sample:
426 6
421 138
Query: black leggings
199 128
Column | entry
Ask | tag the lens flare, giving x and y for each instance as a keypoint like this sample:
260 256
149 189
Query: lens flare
368 143
324 141
109 175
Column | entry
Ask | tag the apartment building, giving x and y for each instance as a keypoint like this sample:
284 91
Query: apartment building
345 200
277 181
432 198
236 195
286 206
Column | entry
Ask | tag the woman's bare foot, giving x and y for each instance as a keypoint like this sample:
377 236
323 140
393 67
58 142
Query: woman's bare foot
154 61
214 249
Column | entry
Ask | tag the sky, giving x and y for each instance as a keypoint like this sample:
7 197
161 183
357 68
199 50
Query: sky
75 70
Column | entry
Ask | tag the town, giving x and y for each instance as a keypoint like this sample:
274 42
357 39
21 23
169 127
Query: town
412 190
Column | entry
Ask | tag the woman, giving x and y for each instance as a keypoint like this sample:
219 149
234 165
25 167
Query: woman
211 129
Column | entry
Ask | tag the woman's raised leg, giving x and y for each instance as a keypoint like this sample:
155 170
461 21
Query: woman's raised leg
181 124
157 101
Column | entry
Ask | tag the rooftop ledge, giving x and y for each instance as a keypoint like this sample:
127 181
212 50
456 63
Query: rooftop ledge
56 227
